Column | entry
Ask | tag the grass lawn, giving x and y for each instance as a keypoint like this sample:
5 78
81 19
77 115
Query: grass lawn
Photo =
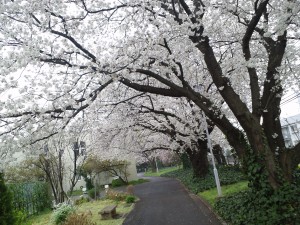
161 171
94 207
211 195
76 193
139 181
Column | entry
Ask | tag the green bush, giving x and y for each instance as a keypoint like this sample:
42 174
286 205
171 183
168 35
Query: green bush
91 192
88 182
7 216
227 175
296 177
117 183
61 213
261 207
130 199
20 217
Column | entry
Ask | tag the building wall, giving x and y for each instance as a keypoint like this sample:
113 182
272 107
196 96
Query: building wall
291 130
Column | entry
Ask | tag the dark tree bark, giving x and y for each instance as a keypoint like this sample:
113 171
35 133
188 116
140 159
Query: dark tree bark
198 158
185 160
218 154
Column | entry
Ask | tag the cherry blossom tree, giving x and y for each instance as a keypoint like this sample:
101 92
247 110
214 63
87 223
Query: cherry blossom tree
232 59
149 127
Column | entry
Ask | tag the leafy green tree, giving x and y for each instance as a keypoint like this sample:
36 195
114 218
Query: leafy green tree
6 208
88 179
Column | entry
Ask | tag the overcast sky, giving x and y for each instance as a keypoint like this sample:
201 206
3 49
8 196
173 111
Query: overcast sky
291 108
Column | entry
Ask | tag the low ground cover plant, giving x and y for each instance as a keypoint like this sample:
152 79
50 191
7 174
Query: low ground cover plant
267 207
227 175
262 206
130 199
211 195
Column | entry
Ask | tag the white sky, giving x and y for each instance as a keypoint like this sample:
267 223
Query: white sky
291 108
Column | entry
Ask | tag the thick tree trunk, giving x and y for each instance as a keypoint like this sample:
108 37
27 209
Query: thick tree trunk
186 163
218 154
152 165
198 158
200 163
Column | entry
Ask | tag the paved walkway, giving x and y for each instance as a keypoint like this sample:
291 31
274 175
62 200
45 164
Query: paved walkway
164 201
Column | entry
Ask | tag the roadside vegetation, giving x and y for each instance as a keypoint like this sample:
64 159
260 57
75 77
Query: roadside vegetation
119 183
211 195
75 193
227 175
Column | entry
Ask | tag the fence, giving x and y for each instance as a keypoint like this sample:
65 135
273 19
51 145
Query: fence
30 198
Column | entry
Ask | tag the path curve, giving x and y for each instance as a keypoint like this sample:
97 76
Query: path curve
165 201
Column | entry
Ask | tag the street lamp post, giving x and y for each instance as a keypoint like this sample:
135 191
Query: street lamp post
217 180
156 165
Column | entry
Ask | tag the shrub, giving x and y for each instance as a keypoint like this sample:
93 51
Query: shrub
261 207
81 200
296 177
88 183
117 183
78 219
7 216
130 199
20 217
62 212
116 196
91 192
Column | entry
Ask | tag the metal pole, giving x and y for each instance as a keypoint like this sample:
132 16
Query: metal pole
156 165
212 157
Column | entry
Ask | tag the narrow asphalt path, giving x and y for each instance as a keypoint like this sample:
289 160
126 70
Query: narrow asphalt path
164 201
